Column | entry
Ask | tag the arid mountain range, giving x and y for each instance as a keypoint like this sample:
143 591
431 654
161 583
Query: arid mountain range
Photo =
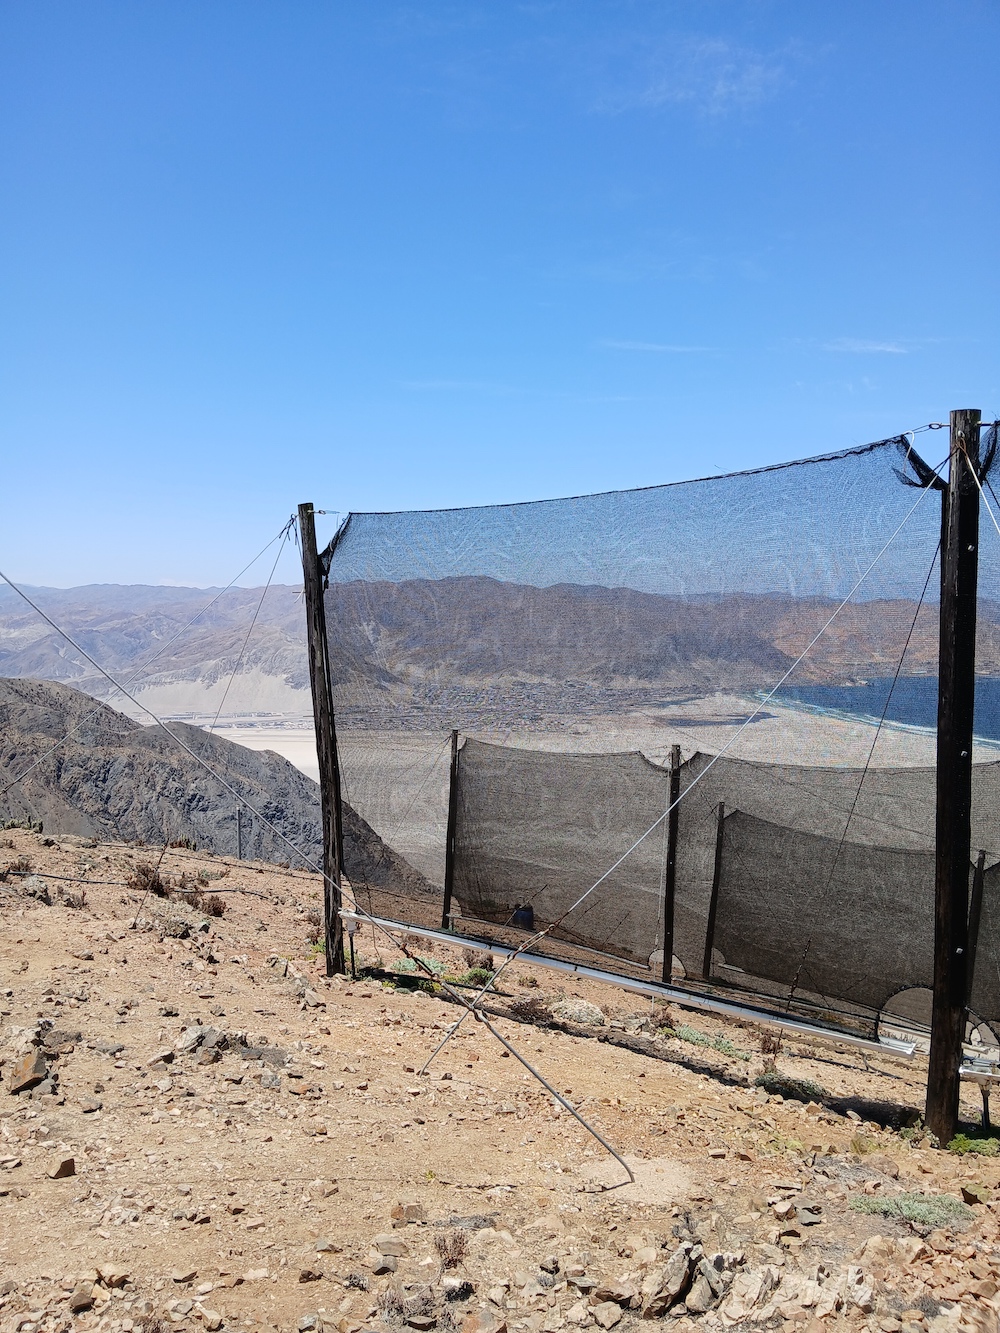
425 635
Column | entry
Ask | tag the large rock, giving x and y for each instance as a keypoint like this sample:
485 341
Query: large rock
28 1070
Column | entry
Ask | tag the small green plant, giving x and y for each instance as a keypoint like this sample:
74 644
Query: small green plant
414 965
925 1210
721 1044
784 1085
476 976
966 1143
32 825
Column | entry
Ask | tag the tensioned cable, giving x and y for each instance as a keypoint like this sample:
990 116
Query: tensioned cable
142 667
540 935
455 994
253 622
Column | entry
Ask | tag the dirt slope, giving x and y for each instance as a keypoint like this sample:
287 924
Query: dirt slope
249 1140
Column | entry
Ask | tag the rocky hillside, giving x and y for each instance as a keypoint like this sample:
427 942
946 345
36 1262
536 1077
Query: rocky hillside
116 779
200 1132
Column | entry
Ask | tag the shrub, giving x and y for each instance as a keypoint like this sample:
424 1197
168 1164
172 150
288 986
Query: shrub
452 1248
214 905
146 878
783 1085
314 920
770 1043
925 1210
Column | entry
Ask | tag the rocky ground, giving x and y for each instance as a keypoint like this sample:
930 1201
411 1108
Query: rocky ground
198 1130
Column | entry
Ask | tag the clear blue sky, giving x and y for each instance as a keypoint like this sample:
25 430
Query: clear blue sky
383 255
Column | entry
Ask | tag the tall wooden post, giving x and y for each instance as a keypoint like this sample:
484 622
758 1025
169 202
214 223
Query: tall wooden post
956 704
670 864
326 741
449 840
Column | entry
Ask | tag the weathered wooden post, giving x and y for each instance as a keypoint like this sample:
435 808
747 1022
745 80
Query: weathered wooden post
669 883
326 742
956 706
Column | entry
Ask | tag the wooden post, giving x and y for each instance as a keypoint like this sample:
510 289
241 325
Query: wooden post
449 840
239 833
326 742
669 876
713 906
956 705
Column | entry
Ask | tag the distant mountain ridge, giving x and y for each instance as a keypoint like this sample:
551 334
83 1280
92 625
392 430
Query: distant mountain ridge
417 636
123 626
424 634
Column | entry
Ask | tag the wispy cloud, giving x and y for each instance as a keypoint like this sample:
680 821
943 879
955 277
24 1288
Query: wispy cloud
865 346
709 74
625 346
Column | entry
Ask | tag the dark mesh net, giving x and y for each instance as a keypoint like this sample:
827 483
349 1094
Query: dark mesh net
573 642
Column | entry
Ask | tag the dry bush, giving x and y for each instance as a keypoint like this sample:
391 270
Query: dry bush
21 863
389 1304
78 901
528 980
770 1043
452 1248
146 878
661 1017
214 905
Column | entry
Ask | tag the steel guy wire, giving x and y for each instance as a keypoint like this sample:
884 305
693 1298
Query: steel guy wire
253 621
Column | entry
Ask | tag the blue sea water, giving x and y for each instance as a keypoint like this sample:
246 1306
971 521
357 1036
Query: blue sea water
913 702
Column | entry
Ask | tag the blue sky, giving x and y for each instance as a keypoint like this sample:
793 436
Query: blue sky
389 256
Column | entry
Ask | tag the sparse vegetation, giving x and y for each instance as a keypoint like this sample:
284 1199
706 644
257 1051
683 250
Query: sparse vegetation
963 1144
31 825
452 1248
214 905
784 1085
926 1210
719 1043
530 1009
770 1042
146 878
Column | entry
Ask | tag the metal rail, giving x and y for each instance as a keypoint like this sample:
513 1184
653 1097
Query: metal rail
726 1008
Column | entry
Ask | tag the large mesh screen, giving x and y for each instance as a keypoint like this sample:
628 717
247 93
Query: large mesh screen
546 837
573 642
834 920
